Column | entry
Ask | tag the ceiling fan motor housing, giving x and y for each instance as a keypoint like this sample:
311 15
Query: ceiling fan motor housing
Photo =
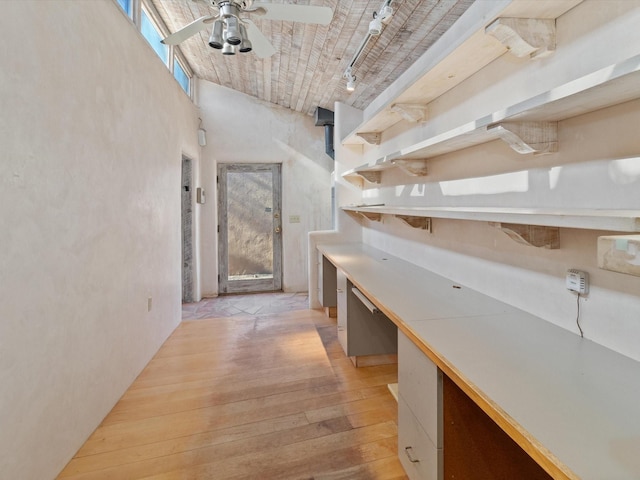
238 4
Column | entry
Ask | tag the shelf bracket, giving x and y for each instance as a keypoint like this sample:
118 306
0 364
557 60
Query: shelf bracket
423 223
373 176
372 138
354 179
416 167
532 235
620 253
525 37
411 112
538 138
373 216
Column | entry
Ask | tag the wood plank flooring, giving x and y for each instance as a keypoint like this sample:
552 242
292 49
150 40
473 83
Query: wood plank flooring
267 397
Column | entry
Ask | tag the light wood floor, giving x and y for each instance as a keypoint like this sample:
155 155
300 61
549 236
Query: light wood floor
270 397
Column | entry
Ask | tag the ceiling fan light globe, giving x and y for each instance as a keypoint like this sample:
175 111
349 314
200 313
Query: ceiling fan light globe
215 40
232 33
228 49
245 46
233 39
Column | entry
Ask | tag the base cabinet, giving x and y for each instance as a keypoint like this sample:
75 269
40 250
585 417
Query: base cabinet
420 414
419 457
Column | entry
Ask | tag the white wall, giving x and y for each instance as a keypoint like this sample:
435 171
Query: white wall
242 129
93 128
597 166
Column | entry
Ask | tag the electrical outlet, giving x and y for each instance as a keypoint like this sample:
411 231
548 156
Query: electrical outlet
577 281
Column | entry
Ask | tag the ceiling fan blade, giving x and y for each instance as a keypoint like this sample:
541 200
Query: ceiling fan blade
188 31
261 45
295 13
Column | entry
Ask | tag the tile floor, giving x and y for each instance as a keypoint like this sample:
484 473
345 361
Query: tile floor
246 304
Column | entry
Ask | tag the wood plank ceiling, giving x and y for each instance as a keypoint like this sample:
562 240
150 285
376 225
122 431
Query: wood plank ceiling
307 69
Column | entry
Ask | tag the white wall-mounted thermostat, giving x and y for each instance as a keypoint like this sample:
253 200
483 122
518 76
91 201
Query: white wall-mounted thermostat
577 281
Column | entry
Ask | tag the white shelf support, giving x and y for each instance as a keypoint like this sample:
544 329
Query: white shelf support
374 176
525 37
620 253
531 235
538 138
372 138
373 216
413 113
414 167
423 223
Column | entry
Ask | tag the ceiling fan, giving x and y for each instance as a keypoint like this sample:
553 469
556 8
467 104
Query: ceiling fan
231 33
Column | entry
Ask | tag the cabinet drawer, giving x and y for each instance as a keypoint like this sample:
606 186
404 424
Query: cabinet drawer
418 455
420 385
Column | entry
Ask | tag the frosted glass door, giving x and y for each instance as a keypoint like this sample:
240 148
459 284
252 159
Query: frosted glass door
250 228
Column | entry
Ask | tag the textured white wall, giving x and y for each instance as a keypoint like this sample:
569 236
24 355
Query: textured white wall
597 166
92 129
242 129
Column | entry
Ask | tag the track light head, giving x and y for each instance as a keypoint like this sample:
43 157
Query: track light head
215 40
385 14
351 80
375 26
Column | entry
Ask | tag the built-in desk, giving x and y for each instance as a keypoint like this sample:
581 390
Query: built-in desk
570 404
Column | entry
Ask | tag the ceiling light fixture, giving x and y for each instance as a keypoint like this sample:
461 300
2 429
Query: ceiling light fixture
245 46
228 49
375 26
232 32
380 18
215 40
351 80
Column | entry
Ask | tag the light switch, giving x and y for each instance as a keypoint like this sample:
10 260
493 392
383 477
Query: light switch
200 196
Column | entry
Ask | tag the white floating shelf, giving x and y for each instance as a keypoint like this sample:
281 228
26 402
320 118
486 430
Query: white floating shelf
615 84
609 86
372 174
461 52
589 219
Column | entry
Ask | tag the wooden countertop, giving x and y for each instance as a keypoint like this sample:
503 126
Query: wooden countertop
571 404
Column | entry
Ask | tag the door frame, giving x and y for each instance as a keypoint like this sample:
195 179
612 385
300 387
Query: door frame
249 285
186 200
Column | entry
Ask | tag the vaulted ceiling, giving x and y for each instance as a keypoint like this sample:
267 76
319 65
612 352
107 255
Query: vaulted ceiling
308 67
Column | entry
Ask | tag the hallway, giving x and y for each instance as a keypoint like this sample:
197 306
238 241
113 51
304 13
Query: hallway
245 304
269 396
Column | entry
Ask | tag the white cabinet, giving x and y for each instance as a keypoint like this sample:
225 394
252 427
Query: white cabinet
419 457
420 428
